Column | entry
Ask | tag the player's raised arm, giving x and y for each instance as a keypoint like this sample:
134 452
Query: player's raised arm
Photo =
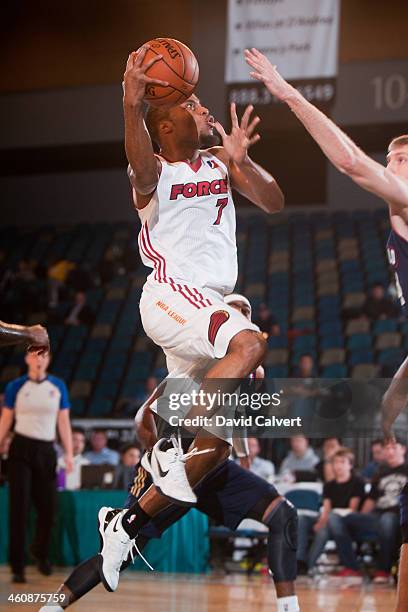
247 177
143 168
335 144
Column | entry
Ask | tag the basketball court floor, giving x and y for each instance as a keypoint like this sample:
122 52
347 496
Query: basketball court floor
181 593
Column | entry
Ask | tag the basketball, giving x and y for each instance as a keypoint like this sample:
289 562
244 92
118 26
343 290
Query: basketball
178 67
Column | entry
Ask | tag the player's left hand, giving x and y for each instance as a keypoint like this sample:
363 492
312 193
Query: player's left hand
237 143
265 72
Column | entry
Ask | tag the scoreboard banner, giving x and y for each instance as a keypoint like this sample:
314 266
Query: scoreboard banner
300 38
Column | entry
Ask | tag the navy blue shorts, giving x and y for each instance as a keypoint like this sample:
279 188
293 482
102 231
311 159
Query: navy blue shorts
404 513
226 495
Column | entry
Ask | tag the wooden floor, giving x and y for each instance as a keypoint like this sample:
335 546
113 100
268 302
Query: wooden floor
175 593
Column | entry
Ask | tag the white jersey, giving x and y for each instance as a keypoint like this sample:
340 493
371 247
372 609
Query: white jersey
188 233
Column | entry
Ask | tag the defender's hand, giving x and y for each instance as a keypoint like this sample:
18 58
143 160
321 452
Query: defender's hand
135 78
38 339
241 138
265 72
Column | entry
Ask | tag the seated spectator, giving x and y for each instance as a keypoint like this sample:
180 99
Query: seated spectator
129 457
306 367
379 517
377 460
100 452
267 322
81 313
57 274
261 467
300 458
324 468
378 305
341 496
73 479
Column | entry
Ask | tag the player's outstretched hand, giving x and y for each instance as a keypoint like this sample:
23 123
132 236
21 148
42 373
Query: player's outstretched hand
38 339
237 143
135 79
265 72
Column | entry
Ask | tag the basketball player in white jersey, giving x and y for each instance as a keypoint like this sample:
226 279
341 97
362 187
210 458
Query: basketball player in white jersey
183 197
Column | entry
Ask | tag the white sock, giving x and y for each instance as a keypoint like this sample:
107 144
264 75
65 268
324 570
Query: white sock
288 604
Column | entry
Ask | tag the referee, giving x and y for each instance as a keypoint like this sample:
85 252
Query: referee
38 403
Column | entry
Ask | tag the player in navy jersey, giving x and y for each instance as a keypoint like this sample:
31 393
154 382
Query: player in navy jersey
389 183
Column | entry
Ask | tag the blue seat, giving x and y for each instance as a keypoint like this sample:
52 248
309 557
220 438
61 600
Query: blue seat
391 356
359 341
361 356
331 341
277 372
304 343
384 325
305 499
335 370
277 342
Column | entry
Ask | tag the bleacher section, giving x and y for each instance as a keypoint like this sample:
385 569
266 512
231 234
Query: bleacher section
307 267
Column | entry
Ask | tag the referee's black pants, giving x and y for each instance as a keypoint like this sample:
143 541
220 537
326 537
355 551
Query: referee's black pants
32 476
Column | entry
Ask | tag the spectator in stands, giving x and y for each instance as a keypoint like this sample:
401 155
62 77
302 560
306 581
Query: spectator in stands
129 457
341 496
306 367
377 460
324 468
57 274
379 517
300 458
73 479
378 305
260 467
267 322
382 506
100 453
81 313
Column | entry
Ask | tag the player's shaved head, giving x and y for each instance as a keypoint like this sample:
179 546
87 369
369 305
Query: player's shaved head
399 141
154 116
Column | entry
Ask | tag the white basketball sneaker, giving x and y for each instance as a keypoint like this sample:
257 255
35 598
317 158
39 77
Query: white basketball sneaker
168 471
116 546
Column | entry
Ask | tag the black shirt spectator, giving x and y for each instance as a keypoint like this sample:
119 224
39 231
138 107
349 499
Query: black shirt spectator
387 486
340 493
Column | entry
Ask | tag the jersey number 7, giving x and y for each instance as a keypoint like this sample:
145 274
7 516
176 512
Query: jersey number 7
221 204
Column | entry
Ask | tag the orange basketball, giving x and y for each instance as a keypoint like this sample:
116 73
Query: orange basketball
178 67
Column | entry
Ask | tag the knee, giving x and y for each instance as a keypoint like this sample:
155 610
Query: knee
251 347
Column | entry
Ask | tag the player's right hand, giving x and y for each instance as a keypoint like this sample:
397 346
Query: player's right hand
135 79
38 339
